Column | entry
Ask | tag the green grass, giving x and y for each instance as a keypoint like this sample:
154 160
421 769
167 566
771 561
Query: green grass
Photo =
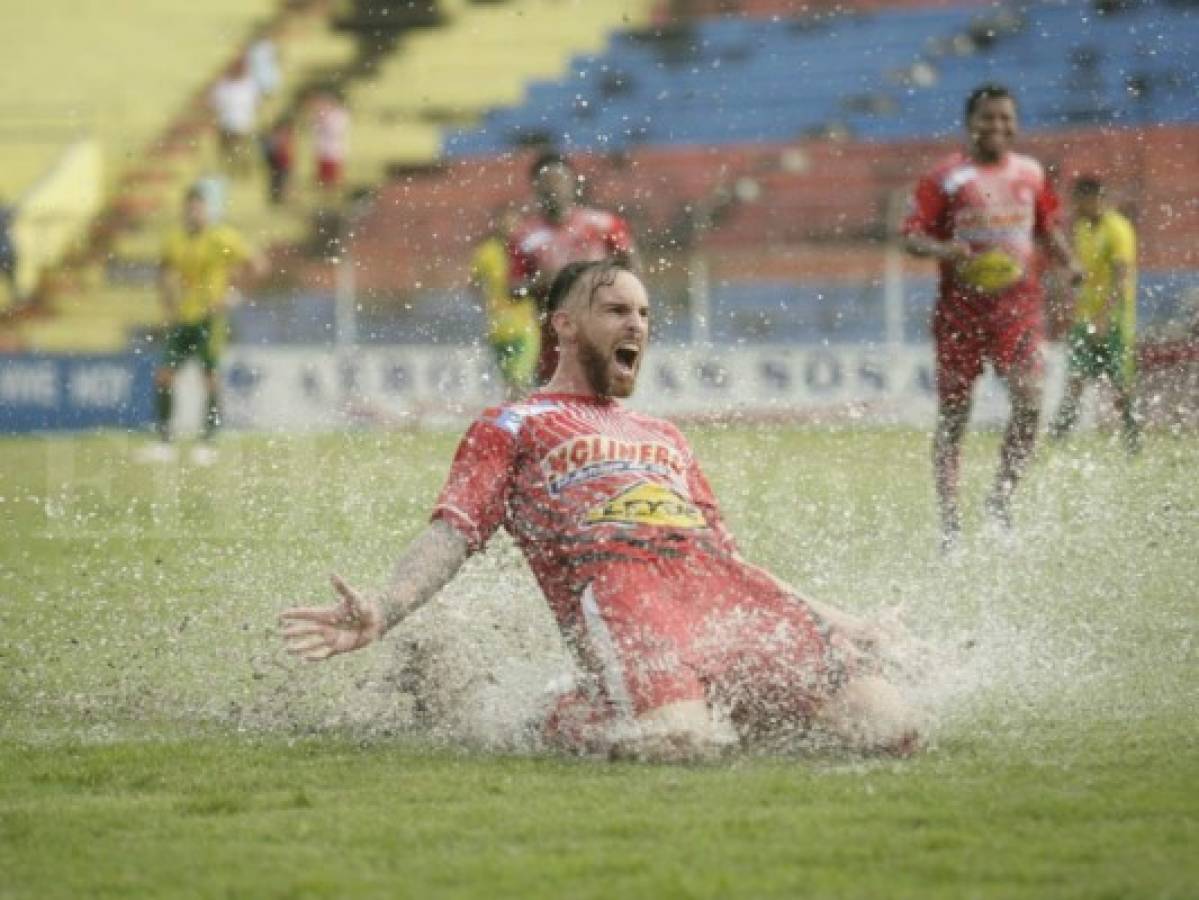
154 741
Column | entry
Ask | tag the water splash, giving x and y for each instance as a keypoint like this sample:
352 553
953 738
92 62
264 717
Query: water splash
1084 614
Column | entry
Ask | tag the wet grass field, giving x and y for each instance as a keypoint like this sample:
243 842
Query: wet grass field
154 741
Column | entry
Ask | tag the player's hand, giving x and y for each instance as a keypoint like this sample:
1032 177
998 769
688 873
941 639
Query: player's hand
318 632
956 252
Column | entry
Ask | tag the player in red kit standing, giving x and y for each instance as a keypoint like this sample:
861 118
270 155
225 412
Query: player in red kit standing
561 231
683 645
982 214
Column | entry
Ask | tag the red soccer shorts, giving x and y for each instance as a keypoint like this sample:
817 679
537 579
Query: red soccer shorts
714 630
968 331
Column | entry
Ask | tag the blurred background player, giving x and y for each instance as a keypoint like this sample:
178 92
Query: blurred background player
513 331
561 231
330 138
1103 331
235 101
199 259
278 150
981 213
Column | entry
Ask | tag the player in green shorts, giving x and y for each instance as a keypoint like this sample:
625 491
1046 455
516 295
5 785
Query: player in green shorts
198 260
1101 340
197 340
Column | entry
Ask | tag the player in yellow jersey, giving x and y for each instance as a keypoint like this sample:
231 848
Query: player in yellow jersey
1102 337
513 329
199 259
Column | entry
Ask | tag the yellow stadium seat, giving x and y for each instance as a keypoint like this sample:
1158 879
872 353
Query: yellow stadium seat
155 62
483 57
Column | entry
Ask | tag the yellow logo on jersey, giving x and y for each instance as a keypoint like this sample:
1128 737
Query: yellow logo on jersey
647 504
991 272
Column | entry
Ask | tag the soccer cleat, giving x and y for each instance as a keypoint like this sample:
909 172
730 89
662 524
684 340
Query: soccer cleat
204 455
158 452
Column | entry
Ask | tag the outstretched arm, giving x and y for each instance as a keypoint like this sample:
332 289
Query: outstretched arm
1057 245
954 251
427 565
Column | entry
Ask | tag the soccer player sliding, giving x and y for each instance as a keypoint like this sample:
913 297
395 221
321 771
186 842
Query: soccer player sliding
685 648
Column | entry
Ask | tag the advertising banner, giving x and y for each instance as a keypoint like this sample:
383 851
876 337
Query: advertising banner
306 389
53 392
422 386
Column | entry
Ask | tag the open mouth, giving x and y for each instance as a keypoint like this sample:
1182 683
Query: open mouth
626 357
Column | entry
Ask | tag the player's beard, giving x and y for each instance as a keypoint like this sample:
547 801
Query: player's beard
598 369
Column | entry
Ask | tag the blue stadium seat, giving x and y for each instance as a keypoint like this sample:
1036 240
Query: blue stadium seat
744 80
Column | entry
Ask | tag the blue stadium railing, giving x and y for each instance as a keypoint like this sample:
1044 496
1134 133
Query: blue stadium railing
762 311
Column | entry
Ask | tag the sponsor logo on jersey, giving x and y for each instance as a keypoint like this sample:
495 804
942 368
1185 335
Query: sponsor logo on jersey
511 418
593 456
646 503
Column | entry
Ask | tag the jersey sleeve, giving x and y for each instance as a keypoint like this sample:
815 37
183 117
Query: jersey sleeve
1048 209
478 263
1122 242
483 266
522 266
234 246
618 238
927 211
475 495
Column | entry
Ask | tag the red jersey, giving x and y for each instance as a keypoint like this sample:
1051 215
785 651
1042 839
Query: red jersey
538 245
621 530
1003 206
582 484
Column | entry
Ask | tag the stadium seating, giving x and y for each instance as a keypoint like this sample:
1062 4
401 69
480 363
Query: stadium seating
77 69
793 135
734 80
788 9
154 147
446 72
83 67
704 111
483 56
798 234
